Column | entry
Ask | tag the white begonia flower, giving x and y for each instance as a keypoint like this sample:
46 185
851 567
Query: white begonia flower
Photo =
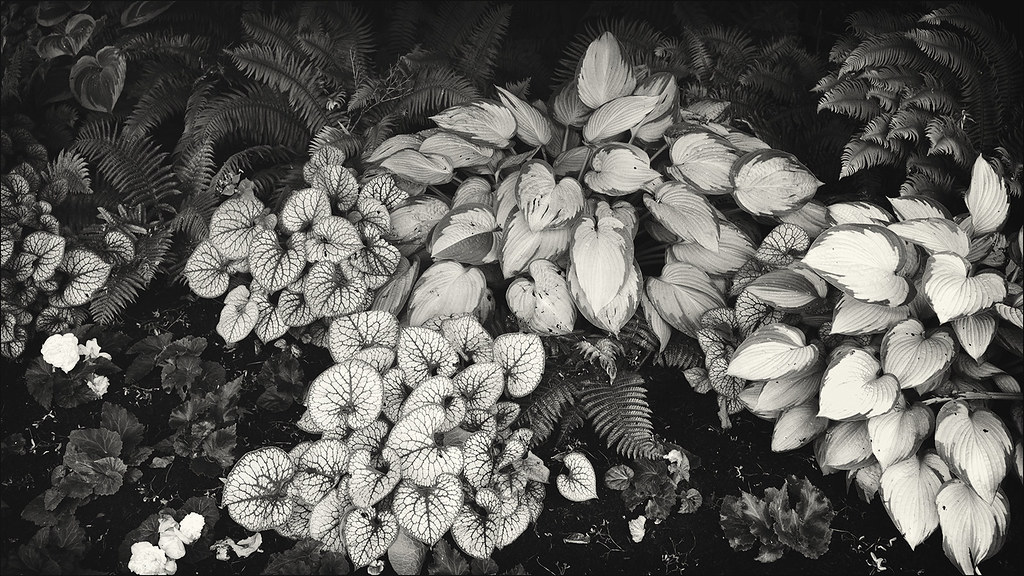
98 384
148 560
191 527
171 544
61 351
91 350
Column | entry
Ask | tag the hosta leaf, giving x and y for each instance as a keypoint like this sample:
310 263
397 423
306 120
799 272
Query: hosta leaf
440 391
578 483
368 534
239 315
734 250
233 224
858 212
467 234
862 261
912 207
953 292
686 214
445 289
47 251
423 460
618 169
532 126
423 353
973 528
353 332
320 468
617 116
275 264
475 531
427 512
914 358
371 478
392 296
791 290
601 257
855 318
797 426
934 235
812 218
521 357
96 81
789 391
521 245
254 491
544 202
332 289
681 295
853 387
987 199
348 394
866 480
68 42
975 332
206 271
469 338
412 165
545 304
975 444
845 446
87 273
704 160
482 121
459 152
772 182
898 434
604 72
1012 314
774 351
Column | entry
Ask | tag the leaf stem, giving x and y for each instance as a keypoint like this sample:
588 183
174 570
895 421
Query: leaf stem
973 396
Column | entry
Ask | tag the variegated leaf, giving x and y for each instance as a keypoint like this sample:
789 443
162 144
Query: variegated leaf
975 444
254 491
853 387
908 490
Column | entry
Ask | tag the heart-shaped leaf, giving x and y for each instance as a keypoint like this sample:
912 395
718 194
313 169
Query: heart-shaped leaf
143 11
934 235
975 332
327 518
973 528
439 391
87 273
682 294
545 203
332 289
480 384
790 390
774 351
69 42
319 469
617 116
685 213
482 121
476 531
987 198
772 182
914 358
601 257
371 478
704 160
854 388
427 512
782 245
797 426
862 260
908 488
446 289
45 251
522 245
423 353
96 81
468 338
604 73
855 318
353 332
844 446
953 292
618 169
467 234
239 315
368 534
975 444
579 482
423 460
275 262
521 357
544 305
303 208
349 394
233 225
254 491
897 434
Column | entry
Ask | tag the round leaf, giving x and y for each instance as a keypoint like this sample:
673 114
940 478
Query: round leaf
255 490
521 356
427 512
349 394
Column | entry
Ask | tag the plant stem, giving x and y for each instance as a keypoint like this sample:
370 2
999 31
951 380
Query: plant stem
974 396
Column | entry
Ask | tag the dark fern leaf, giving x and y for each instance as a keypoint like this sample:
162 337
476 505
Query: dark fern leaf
271 31
286 72
127 280
621 415
133 168
475 56
548 404
434 89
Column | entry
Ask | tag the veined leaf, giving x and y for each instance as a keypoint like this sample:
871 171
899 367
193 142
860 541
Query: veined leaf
368 534
772 182
468 338
424 353
953 292
274 263
46 252
855 318
862 260
858 212
459 152
353 332
934 235
685 213
734 250
87 273
332 239
481 121
604 73
233 224
845 446
327 518
255 489
348 394
913 207
987 199
973 528
320 468
440 391
521 245
797 426
423 460
912 357
427 512
532 126
579 482
976 445
476 531
413 165
239 315
97 81
774 351
681 295
618 169
908 488
372 477
480 384
303 208
975 332
544 304
331 289
853 387
704 160
467 234
897 434
521 356
617 116
790 390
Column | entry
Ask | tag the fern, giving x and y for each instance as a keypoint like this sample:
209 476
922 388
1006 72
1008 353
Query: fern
475 57
434 89
284 71
133 169
621 415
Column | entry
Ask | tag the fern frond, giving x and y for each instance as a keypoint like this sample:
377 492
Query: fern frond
861 154
341 139
434 89
909 124
285 72
893 49
850 98
946 136
133 167
348 29
548 404
868 23
621 415
161 100
475 57
271 32
165 45
126 281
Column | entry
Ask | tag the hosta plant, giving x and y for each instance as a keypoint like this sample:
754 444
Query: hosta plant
892 342
416 440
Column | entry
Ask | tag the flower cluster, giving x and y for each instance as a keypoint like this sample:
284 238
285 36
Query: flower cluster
161 559
79 363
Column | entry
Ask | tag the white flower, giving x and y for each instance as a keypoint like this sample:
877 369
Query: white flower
61 351
150 560
91 350
171 544
191 527
98 384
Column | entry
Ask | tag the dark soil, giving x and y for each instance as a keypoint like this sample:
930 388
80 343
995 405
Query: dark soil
864 540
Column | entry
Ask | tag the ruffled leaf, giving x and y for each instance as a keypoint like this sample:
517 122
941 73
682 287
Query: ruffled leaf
544 305
953 292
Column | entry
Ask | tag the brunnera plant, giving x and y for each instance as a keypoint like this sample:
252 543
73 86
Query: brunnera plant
417 440
891 341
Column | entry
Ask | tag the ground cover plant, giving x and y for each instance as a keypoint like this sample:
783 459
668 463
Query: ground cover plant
332 287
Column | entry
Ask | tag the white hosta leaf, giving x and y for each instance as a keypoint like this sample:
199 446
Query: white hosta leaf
953 292
867 480
913 207
412 221
423 353
605 74
459 152
579 482
1012 314
368 534
685 213
858 212
908 489
522 245
976 445
467 234
371 478
797 426
254 492
704 160
973 529
774 351
789 391
483 122
423 460
987 199
427 512
734 250
914 358
521 357
617 116
975 332
546 203
413 165
855 318
898 434
854 388
862 260
394 144
844 446
601 257
934 235
772 182
789 290
532 126
618 169
239 315
445 289
682 294
349 394
544 304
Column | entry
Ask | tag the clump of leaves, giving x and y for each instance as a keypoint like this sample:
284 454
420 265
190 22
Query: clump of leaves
416 441
205 429
797 516
662 486
281 377
55 549
182 368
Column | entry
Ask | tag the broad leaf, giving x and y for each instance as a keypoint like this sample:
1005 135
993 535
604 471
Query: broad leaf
353 332
734 250
333 289
953 292
423 353
521 357
480 384
618 169
206 271
605 74
854 387
897 434
855 318
239 315
617 116
934 235
368 534
682 294
467 234
406 554
797 426
483 122
803 515
233 225
845 446
349 394
908 488
975 444
862 260
704 160
274 262
544 202
423 460
532 126
96 81
913 358
975 332
544 305
579 482
686 214
987 198
772 183
446 289
427 512
255 489
320 468
774 351
371 478
87 273
973 528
